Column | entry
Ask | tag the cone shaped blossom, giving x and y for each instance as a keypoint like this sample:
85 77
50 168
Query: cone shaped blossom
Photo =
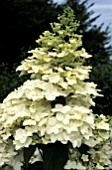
55 103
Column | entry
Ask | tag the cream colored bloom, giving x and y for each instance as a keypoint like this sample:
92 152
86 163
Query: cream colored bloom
85 158
98 166
21 139
102 125
34 112
61 108
29 122
70 165
24 143
51 92
7 152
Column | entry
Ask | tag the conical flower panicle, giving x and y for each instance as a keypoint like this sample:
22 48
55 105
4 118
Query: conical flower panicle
54 104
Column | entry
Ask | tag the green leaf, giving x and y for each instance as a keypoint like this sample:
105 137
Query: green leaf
28 153
55 156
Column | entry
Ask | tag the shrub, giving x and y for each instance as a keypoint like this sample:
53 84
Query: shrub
50 115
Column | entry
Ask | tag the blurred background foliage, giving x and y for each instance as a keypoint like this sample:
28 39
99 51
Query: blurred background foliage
21 23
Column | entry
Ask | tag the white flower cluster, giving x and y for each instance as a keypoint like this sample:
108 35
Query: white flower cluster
27 111
6 152
97 148
54 105
9 157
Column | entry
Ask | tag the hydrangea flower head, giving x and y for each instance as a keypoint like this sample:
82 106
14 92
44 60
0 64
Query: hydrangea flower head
55 103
